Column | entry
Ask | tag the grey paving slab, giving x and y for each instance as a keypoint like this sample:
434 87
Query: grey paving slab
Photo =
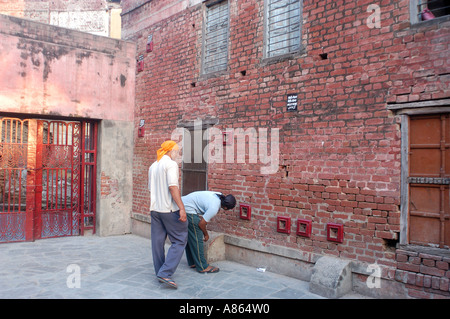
121 267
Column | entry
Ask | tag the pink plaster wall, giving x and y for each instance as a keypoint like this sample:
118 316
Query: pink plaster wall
55 71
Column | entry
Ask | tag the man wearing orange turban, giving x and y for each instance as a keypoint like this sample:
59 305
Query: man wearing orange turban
166 147
168 215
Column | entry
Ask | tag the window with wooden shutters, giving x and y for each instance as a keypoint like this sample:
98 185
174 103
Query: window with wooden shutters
283 27
215 48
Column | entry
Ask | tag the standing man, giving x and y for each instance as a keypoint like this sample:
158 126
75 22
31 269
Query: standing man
168 215
201 207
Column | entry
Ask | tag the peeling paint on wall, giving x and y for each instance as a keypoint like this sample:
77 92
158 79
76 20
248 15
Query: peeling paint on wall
50 70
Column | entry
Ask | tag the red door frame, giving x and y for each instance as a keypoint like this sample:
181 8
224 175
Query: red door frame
88 185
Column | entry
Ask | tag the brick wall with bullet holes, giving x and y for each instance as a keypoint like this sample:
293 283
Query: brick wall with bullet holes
340 158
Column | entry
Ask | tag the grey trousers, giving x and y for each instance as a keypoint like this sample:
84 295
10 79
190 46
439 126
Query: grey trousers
163 225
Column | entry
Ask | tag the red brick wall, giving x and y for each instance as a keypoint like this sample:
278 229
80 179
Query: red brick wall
339 153
420 65
423 272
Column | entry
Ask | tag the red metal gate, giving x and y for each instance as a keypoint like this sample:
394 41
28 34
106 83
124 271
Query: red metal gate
57 179
15 220
47 178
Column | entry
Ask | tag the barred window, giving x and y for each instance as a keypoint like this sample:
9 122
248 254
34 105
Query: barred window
422 10
215 56
283 27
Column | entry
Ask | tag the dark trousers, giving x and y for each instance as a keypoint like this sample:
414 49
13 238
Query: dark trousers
163 225
194 249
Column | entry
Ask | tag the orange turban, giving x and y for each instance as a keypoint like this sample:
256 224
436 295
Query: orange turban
167 146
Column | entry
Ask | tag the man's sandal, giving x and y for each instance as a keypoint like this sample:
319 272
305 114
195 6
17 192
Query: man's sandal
211 270
168 281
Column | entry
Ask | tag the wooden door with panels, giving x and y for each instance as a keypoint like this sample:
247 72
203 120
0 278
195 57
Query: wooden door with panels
428 180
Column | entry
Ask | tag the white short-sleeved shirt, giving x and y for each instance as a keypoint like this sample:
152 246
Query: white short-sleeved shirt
161 175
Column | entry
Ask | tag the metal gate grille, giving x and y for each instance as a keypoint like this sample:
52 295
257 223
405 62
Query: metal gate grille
47 178
13 179
57 202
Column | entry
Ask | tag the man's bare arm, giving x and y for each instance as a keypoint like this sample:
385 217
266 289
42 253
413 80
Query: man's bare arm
176 195
202 225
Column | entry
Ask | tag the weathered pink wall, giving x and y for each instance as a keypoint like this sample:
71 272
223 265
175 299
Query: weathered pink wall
55 71
51 71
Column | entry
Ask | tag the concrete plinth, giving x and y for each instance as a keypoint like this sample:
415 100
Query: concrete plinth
331 277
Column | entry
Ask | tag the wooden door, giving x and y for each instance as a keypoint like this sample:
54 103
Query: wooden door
429 179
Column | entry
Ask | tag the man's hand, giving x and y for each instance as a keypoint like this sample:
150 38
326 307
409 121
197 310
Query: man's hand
183 217
202 225
175 192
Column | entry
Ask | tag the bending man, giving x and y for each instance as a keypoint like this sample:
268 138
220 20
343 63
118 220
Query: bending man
200 207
